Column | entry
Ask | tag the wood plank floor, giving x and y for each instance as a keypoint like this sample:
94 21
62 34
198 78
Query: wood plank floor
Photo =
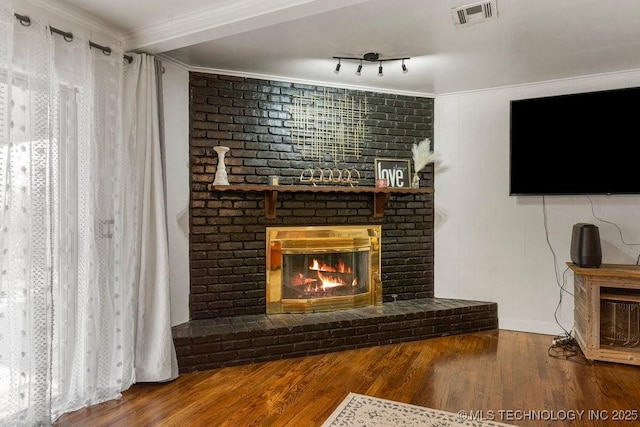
509 373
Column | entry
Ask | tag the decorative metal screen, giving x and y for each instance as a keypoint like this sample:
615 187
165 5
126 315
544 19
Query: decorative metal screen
328 127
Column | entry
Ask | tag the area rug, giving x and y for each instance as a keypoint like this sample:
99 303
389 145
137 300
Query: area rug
360 410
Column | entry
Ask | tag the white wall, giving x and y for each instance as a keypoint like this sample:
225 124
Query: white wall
175 85
490 246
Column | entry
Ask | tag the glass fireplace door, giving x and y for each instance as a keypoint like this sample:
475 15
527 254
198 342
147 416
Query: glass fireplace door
322 268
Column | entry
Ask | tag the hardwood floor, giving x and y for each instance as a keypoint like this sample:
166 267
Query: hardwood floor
509 373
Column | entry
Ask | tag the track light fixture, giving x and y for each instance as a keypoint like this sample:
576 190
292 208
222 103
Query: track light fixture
370 57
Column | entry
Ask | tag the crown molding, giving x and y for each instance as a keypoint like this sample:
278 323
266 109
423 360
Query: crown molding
305 82
215 22
290 79
173 61
632 73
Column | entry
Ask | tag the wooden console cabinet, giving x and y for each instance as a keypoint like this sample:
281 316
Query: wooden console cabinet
607 312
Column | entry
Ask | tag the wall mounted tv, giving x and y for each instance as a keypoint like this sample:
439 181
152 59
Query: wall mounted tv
582 143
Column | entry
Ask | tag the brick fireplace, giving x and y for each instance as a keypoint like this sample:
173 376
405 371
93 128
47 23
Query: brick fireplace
228 256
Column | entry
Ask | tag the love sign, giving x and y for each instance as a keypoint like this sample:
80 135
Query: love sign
397 172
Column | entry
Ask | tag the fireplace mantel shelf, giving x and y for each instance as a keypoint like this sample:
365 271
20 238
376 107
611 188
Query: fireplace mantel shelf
381 196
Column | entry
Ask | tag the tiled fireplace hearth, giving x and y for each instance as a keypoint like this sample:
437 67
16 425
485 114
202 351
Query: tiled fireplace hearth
230 263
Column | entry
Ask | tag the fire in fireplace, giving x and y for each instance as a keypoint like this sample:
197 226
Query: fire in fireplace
322 268
325 275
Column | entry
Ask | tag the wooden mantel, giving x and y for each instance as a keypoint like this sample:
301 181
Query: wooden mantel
381 196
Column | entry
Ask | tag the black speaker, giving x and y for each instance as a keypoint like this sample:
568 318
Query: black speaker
585 246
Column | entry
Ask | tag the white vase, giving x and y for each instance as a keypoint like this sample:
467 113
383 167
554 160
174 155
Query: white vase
221 172
415 182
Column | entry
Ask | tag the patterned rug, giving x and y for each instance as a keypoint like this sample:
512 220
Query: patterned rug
359 410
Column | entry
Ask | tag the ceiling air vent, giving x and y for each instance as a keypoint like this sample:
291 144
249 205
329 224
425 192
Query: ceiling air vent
474 12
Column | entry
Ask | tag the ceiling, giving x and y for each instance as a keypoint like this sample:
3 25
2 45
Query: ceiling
529 41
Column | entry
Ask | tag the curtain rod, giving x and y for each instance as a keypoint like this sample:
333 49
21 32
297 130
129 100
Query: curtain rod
68 36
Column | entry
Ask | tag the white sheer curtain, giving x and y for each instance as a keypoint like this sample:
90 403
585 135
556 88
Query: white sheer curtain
84 298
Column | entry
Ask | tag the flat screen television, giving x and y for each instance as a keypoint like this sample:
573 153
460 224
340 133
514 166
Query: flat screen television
582 143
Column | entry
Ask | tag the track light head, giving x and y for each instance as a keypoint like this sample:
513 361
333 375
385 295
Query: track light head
369 57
